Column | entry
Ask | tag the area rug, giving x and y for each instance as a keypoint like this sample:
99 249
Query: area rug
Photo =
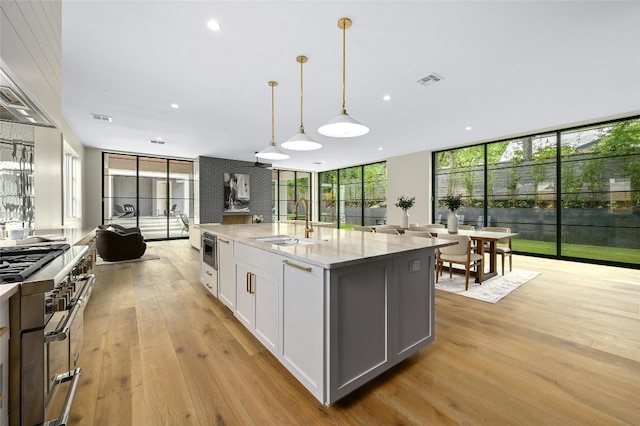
147 256
492 290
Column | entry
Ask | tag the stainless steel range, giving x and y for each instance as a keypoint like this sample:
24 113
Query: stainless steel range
46 329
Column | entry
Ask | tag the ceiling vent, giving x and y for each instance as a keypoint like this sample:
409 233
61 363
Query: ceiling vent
430 79
101 117
157 141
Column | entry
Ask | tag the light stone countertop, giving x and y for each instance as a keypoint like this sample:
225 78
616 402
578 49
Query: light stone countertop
8 290
71 236
338 247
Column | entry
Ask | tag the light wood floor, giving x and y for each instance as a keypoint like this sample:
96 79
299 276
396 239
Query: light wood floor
564 349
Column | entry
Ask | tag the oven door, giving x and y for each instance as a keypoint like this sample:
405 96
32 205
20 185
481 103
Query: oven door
63 341
85 285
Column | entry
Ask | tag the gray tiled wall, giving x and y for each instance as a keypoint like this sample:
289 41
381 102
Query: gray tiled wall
211 187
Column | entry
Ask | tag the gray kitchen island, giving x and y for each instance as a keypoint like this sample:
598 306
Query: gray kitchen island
336 309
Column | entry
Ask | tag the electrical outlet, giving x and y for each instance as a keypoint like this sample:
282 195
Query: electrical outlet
414 265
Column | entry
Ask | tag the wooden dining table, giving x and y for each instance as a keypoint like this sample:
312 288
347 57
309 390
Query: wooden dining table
480 238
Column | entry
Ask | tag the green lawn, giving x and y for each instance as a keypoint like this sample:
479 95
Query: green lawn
611 254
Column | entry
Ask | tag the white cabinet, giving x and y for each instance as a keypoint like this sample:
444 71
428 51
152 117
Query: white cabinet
226 273
209 278
257 293
303 324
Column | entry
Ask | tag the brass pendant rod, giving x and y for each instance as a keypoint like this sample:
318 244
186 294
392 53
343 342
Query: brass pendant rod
302 60
344 66
344 23
273 84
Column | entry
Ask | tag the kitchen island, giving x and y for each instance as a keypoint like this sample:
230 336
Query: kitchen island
336 309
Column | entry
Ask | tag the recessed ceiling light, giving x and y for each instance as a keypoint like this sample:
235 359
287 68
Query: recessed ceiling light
386 97
468 128
319 162
379 148
176 106
213 25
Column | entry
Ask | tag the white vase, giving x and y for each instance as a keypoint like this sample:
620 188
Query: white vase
405 220
452 223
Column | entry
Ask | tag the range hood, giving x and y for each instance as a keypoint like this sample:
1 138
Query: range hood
16 107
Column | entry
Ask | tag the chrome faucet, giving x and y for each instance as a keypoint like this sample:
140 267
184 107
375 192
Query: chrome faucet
308 229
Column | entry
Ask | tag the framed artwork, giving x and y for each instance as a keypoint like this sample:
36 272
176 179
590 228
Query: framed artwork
236 192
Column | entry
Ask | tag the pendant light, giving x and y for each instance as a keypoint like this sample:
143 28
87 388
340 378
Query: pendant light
272 152
301 141
343 126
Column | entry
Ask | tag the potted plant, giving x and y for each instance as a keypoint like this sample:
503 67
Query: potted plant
405 203
453 203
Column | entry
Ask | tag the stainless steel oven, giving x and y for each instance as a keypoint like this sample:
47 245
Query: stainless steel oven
210 250
46 336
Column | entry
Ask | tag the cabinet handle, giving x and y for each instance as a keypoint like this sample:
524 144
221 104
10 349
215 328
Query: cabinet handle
209 286
223 241
304 268
246 283
3 330
209 273
251 275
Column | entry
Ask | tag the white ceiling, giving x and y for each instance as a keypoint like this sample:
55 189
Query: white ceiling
509 68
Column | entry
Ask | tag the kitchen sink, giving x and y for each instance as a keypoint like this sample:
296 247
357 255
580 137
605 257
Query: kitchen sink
288 240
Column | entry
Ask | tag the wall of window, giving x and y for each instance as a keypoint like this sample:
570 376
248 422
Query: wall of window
354 195
572 193
154 194
287 187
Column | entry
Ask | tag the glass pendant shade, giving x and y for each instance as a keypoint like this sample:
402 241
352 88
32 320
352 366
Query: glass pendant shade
301 141
272 152
343 126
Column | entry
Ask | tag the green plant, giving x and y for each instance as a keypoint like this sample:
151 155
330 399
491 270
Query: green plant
405 203
453 202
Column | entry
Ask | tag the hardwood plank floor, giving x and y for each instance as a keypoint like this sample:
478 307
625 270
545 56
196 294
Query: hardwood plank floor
564 349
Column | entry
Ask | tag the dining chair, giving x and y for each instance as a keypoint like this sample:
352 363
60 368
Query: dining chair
392 231
185 223
503 246
414 233
467 227
325 225
459 253
387 227
434 225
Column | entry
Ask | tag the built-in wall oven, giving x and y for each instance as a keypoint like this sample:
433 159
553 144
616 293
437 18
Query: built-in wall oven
210 250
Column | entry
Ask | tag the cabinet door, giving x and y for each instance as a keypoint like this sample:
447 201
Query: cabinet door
413 321
257 303
244 296
265 289
303 324
226 274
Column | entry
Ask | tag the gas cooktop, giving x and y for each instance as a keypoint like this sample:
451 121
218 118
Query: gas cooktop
17 263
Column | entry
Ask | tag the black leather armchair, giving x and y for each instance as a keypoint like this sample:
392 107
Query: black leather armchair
114 245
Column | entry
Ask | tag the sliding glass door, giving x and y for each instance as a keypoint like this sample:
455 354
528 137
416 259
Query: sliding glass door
154 194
